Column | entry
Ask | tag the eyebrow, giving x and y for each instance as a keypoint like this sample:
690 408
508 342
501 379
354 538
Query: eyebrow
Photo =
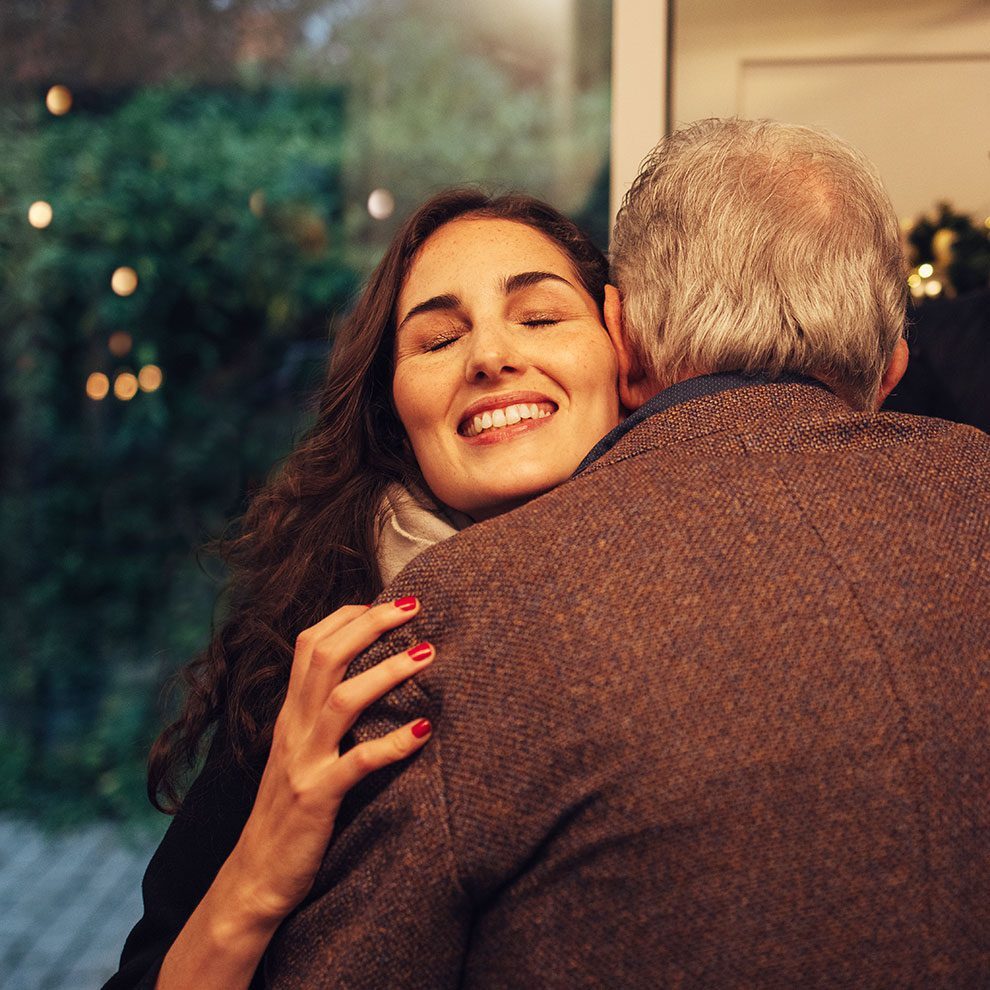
525 279
433 304
449 301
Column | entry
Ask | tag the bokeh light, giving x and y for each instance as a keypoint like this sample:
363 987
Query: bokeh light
150 378
58 100
125 386
943 241
120 343
933 287
97 385
381 204
40 214
926 270
124 281
256 202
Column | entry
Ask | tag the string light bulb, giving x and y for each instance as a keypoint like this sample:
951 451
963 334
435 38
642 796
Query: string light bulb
125 386
124 281
40 214
97 386
381 204
120 343
150 378
58 99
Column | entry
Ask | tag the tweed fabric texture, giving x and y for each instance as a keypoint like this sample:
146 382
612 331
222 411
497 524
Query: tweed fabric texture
712 714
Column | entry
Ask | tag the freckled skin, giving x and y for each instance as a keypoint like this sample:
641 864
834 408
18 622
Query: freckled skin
544 338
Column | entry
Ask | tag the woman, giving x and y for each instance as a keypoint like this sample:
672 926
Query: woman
474 375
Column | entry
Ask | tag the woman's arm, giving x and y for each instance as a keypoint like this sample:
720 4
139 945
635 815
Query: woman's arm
272 865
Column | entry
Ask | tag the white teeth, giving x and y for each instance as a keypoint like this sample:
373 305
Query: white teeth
508 416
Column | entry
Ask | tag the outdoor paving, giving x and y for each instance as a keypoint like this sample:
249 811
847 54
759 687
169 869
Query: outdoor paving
68 902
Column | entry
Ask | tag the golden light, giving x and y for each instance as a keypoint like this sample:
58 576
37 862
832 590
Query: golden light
97 385
125 386
120 343
381 204
933 288
59 100
124 281
256 202
914 280
943 241
926 270
150 378
40 214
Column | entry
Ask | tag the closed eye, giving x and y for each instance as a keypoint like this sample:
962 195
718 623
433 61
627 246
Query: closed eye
540 321
439 343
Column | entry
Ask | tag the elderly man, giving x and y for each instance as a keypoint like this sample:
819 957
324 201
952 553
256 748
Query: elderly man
713 713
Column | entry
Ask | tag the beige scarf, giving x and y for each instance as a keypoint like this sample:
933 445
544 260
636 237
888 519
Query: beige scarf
413 523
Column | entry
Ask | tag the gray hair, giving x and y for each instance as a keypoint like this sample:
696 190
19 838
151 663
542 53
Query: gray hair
753 245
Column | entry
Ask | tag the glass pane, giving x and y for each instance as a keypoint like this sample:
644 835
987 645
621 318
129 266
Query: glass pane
190 194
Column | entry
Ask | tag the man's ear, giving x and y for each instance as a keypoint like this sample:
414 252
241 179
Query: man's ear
634 389
893 373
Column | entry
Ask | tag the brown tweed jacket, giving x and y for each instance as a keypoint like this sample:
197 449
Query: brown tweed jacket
712 714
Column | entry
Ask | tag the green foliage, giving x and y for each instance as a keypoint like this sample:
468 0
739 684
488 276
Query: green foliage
956 244
228 206
243 212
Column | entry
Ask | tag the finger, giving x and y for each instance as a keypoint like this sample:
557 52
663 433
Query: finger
350 698
333 653
375 754
308 638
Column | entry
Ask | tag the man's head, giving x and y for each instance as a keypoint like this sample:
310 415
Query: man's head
758 246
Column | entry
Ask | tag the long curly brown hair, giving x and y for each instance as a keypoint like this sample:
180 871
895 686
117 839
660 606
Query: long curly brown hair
306 544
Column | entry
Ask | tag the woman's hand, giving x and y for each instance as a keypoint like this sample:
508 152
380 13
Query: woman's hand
273 865
306 778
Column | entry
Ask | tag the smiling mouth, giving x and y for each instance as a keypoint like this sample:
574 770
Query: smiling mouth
492 422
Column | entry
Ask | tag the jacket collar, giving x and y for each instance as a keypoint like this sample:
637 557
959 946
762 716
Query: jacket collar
704 405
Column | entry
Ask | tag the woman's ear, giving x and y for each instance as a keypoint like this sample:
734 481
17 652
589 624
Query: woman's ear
634 389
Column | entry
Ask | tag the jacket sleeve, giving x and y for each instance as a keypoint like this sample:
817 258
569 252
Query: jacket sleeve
195 846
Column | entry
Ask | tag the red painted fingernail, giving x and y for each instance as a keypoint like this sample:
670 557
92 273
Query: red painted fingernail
406 604
422 728
420 652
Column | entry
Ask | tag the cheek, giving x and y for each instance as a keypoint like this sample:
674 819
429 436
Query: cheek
407 398
595 376
418 409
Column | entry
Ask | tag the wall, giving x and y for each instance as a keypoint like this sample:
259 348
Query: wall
907 83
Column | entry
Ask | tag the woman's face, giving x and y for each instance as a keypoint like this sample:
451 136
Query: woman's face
504 375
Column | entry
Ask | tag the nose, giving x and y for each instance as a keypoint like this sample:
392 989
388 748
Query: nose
491 354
